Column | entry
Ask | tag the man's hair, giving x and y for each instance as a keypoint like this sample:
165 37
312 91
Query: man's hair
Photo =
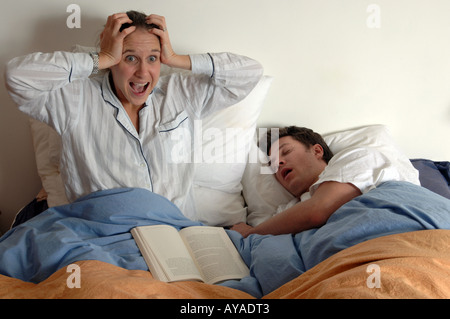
304 135
139 21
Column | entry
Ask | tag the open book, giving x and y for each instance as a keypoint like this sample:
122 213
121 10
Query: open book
200 253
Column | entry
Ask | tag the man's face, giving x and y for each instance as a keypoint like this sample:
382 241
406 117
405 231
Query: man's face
138 72
297 166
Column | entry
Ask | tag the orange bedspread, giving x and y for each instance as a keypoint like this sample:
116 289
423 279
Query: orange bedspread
410 265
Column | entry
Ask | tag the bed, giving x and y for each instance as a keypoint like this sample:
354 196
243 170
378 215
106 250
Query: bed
391 242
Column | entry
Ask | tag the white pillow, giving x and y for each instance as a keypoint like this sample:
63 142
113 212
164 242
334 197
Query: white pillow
47 149
227 136
379 138
219 208
265 196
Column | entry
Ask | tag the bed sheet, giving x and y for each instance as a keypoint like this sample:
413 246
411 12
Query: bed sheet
97 228
411 265
392 208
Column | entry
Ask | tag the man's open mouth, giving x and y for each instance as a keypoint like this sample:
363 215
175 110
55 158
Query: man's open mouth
285 172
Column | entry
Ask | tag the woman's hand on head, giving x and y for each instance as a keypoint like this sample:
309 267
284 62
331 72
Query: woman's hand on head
168 55
111 40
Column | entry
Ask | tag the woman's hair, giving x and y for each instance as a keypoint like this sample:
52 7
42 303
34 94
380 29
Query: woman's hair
304 135
138 20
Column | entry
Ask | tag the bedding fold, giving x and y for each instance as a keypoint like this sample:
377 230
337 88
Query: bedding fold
95 227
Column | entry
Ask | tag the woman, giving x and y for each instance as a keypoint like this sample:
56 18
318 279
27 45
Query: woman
118 130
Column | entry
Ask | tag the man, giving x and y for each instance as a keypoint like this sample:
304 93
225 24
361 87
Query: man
117 130
300 165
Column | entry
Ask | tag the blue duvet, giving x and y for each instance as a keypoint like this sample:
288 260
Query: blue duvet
98 227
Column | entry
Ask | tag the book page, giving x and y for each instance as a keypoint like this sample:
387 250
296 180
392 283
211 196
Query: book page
215 254
162 242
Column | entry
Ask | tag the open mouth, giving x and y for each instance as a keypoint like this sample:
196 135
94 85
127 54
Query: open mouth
285 172
139 88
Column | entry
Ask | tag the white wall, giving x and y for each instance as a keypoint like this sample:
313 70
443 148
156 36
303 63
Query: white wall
332 70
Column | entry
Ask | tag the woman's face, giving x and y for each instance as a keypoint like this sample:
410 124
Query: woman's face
138 72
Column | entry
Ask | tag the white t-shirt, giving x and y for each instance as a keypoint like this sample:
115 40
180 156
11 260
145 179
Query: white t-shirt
364 167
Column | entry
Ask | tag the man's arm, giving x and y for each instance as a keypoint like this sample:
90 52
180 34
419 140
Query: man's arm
309 214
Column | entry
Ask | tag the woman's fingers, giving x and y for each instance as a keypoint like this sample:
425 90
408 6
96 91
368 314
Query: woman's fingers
160 21
111 39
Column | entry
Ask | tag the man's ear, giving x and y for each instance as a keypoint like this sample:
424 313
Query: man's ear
318 151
